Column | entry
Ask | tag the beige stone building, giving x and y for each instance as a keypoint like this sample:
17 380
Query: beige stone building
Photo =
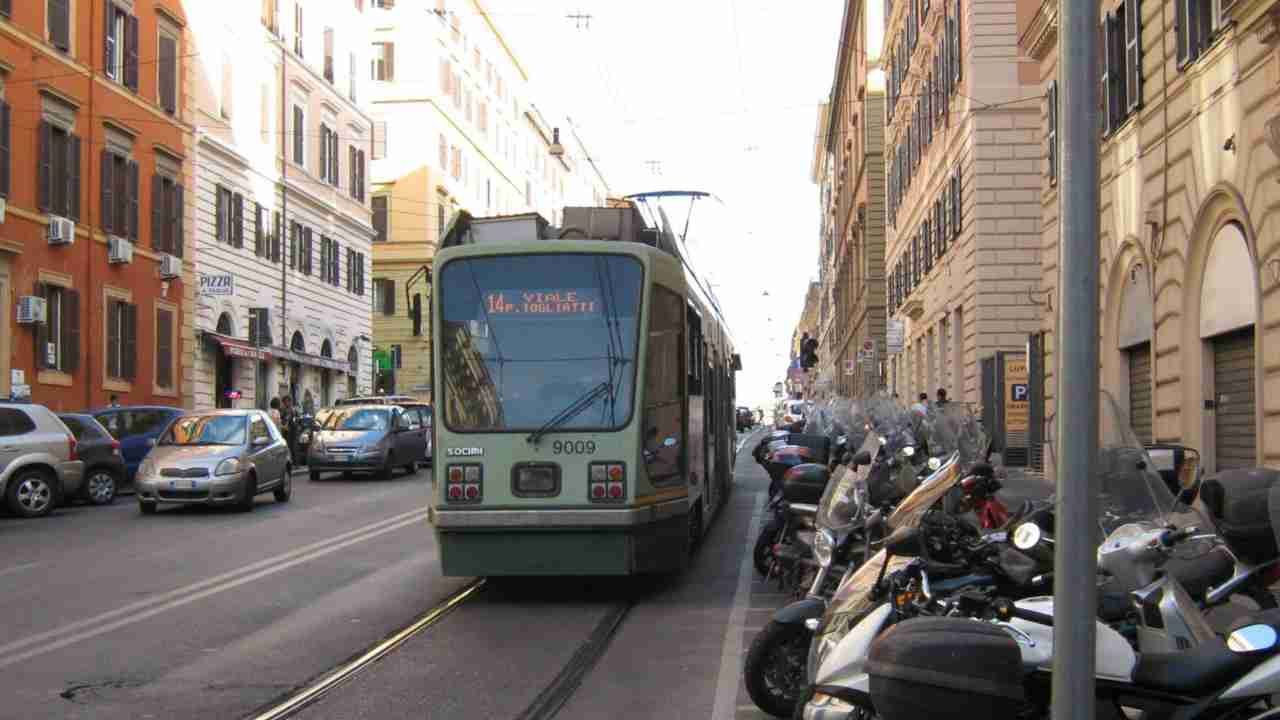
1190 156
962 153
849 170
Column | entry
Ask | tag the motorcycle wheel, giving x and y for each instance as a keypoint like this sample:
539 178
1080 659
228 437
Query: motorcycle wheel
763 552
774 672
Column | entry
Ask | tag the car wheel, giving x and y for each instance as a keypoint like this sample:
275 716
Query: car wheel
388 471
100 486
411 468
285 489
250 493
31 493
315 476
146 508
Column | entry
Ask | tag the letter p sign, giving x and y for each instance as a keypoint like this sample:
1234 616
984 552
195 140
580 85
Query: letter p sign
1020 392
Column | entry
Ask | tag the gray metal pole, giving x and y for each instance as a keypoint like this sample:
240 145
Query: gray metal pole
1075 584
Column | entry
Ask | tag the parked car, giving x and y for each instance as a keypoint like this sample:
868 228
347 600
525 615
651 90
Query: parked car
309 425
39 466
378 400
746 419
367 439
136 427
424 420
216 457
104 475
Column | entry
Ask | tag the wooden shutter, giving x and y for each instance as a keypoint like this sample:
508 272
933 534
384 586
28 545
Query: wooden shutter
157 212
178 239
957 60
259 243
5 128
113 338
164 348
1133 53
307 250
72 149
1182 30
108 36
389 297
389 56
361 168
60 24
129 341
6 7
380 218
132 213
1053 131
237 220
131 52
70 330
298 130
275 236
108 200
41 330
295 238
44 167
1140 412
351 168
168 51
324 152
1235 422
220 230
335 165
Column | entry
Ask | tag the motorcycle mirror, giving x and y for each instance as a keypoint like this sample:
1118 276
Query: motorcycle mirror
903 542
862 458
1252 638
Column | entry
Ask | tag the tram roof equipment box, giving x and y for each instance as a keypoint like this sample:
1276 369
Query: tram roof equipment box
580 223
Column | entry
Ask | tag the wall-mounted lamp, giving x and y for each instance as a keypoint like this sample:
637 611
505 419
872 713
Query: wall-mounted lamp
556 149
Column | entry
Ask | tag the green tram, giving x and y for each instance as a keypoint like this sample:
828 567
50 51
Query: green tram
585 402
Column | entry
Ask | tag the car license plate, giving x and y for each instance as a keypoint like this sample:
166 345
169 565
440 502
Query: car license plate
195 484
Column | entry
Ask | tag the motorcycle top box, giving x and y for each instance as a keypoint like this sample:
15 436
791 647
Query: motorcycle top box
942 668
805 483
1245 508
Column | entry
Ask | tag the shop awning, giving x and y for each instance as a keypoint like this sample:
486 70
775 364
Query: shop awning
233 347
312 360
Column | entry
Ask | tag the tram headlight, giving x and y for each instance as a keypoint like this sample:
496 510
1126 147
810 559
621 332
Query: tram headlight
824 547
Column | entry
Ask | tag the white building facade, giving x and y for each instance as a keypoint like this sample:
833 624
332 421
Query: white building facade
283 227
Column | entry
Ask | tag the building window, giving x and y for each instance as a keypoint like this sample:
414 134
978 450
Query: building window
167 70
384 61
380 218
58 22
122 339
357 162
1052 138
355 272
59 171
57 345
229 220
1121 65
384 293
299 135
120 46
1198 23
297 29
166 215
328 55
119 195
306 249
261 243
164 348
330 261
295 239
328 155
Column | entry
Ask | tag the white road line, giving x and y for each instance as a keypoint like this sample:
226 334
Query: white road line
8 660
731 656
18 568
135 611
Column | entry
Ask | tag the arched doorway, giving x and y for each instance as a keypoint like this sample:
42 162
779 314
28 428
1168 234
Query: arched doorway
298 345
353 374
1228 313
222 365
326 389
1133 340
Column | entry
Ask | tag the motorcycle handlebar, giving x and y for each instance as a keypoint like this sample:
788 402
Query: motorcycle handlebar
1172 537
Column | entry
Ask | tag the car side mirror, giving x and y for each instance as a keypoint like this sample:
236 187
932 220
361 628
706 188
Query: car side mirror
861 458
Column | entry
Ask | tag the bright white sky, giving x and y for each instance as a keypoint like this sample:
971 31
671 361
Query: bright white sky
725 94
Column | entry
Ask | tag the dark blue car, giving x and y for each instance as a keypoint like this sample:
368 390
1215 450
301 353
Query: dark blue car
134 427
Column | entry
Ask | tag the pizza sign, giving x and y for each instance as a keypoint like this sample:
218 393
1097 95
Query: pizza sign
543 302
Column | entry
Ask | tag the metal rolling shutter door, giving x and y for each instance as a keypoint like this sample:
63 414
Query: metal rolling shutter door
1140 391
1234 427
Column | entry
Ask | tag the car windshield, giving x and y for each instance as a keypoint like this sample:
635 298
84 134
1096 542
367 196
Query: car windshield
358 419
528 337
206 430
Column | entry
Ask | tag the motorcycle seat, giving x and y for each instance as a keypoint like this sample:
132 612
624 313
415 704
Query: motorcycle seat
1206 668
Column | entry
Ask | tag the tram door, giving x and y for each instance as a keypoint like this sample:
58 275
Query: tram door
710 443
698 420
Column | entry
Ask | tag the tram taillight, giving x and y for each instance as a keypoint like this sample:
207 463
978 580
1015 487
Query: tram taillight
465 483
608 482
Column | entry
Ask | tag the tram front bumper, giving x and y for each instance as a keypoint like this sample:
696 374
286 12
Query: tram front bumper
588 541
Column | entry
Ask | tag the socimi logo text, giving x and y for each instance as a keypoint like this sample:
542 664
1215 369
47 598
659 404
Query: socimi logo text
464 452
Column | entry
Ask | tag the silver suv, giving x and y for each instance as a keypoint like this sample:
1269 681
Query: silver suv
38 463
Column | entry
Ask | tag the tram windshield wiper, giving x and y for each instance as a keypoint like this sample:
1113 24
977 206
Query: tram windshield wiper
572 411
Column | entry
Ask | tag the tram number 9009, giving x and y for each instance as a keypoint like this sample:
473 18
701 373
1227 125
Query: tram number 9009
573 447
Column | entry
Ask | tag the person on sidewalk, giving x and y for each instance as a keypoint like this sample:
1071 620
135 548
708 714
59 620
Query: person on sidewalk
274 412
942 397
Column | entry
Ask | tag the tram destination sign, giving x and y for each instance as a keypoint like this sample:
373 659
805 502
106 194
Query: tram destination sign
575 301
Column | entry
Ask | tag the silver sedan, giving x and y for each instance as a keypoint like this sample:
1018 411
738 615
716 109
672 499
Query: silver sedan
218 457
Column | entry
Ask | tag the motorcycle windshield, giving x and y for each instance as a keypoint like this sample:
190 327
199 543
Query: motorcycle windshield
840 504
854 598
952 428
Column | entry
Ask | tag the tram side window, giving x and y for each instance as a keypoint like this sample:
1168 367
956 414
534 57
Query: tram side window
696 353
663 396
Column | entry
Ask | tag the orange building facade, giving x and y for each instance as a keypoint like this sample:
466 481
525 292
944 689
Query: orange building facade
93 170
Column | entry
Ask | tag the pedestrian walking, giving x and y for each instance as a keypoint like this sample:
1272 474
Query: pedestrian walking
922 405
289 419
274 412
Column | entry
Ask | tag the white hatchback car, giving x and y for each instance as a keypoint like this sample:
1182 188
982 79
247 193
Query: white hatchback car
38 463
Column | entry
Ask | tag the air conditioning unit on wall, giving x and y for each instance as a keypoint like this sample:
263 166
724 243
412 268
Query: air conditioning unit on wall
61 231
31 310
119 250
170 267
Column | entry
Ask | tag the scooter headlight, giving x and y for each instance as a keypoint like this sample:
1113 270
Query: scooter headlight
824 547
909 451
934 463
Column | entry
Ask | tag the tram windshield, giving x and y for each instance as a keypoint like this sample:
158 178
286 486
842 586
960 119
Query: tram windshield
529 338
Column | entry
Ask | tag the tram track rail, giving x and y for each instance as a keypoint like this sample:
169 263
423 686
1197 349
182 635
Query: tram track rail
545 706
